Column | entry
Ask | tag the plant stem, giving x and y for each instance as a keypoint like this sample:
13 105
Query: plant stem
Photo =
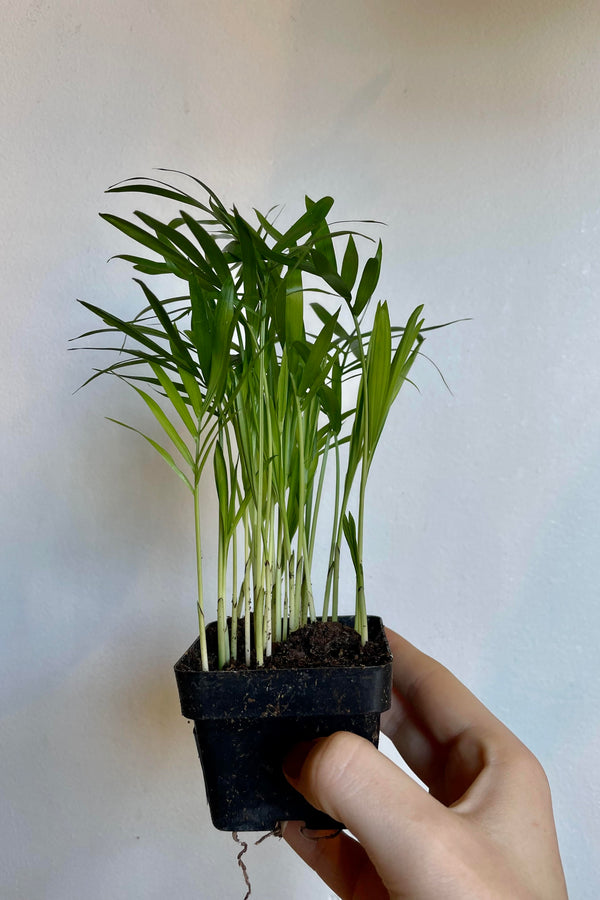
303 559
337 552
279 553
223 643
293 617
317 505
361 610
222 635
298 592
258 536
234 596
247 628
269 537
200 603
360 622
334 549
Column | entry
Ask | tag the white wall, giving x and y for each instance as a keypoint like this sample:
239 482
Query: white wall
473 130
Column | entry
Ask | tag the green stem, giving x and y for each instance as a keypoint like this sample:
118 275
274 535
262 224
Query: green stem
360 622
222 635
278 573
298 579
303 566
200 603
294 617
269 537
334 549
258 529
315 515
337 552
232 541
223 643
258 592
247 628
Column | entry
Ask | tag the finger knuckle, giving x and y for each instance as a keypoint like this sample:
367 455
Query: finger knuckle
523 766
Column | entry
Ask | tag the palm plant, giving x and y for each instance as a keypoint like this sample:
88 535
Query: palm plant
233 372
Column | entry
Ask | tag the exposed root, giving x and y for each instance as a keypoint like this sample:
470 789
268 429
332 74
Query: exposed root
277 832
241 862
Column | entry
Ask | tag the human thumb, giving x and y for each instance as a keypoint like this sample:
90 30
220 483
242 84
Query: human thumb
346 777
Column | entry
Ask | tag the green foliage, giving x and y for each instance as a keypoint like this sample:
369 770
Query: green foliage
239 374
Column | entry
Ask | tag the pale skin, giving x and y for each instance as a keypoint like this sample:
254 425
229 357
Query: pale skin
484 829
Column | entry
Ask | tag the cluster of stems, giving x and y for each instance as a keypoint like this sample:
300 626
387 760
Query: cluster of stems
242 380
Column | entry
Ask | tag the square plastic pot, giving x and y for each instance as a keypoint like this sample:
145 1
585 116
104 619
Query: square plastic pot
246 721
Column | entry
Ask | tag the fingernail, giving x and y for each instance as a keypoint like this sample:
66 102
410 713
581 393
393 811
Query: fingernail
294 761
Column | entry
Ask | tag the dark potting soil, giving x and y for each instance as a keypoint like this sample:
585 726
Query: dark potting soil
318 644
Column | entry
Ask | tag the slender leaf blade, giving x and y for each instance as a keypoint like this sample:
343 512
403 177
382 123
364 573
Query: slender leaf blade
350 263
160 450
175 398
166 424
368 283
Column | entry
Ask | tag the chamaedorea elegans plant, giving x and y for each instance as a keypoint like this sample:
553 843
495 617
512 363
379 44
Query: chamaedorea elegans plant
248 378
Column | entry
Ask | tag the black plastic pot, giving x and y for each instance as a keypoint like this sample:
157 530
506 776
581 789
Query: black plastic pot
246 721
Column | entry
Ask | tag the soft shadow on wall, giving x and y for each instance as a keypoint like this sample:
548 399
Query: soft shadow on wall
397 82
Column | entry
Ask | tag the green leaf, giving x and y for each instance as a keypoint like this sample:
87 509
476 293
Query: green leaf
349 526
367 284
126 328
335 282
213 252
168 193
170 330
406 352
268 227
109 370
175 398
180 241
166 425
350 264
179 265
378 373
322 270
294 313
318 353
202 324
324 315
221 483
282 387
323 238
161 450
215 203
321 263
331 407
356 444
248 255
307 223
233 493
146 266
221 348
193 391
331 397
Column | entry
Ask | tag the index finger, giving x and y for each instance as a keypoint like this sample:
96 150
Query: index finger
437 698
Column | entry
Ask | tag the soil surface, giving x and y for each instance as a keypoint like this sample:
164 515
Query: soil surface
319 644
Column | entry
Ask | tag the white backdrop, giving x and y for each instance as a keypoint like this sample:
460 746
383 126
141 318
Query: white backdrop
473 130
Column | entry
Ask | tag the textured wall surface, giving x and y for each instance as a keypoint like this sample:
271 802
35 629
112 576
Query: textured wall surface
473 130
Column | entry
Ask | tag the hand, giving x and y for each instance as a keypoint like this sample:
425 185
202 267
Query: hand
484 830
